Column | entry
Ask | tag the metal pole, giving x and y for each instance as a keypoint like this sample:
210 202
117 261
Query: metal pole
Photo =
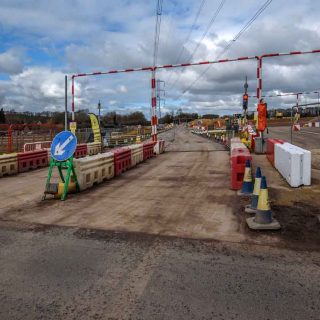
66 103
291 125
99 112
72 92
318 104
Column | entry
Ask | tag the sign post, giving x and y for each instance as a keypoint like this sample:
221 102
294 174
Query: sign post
63 147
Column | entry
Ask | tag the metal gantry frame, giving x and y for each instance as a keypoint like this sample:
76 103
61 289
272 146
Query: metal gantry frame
154 119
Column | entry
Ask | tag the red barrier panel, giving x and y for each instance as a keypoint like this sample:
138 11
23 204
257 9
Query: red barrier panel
81 151
148 151
270 149
238 163
122 160
32 160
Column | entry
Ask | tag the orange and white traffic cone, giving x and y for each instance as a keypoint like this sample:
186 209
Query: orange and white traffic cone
263 219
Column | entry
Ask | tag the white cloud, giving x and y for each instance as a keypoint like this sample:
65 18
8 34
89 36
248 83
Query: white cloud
93 35
11 61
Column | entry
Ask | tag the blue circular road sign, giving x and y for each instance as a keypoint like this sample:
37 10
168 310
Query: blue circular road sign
63 146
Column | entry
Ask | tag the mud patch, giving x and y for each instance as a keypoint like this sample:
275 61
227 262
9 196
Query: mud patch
300 227
300 224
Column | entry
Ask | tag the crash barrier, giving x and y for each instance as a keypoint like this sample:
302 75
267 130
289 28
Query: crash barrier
314 124
148 151
94 169
81 151
32 160
238 156
159 147
293 163
122 160
8 164
36 146
93 148
136 154
126 140
235 143
270 148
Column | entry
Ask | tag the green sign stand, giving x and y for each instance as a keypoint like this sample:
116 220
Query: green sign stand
67 165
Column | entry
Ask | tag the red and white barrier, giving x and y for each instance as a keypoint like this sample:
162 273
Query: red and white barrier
159 147
32 160
36 146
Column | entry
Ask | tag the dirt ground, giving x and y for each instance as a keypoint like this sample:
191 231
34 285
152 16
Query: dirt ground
182 193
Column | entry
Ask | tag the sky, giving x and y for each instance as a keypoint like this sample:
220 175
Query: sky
41 41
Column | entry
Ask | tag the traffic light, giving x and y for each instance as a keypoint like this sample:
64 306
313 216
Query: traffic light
245 101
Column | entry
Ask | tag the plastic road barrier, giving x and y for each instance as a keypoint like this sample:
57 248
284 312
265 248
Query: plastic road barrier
122 160
36 146
238 158
8 164
32 160
159 147
294 164
136 154
270 148
94 169
93 148
81 151
148 151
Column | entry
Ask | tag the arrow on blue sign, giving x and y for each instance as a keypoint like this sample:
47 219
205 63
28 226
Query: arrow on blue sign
63 145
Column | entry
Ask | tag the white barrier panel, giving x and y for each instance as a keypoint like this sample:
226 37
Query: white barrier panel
93 148
159 147
136 153
8 164
293 163
94 169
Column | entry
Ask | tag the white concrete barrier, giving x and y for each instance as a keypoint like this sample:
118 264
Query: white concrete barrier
293 163
93 148
8 164
94 169
136 153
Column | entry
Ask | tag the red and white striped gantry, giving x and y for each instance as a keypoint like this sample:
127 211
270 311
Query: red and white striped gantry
154 119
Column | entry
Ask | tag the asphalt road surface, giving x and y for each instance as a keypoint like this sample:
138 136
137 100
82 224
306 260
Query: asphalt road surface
79 274
64 261
307 138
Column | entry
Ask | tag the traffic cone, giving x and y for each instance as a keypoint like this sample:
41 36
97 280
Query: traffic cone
252 207
263 219
247 184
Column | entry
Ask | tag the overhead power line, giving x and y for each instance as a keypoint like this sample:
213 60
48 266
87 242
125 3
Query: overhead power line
190 31
212 20
157 32
229 45
188 36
